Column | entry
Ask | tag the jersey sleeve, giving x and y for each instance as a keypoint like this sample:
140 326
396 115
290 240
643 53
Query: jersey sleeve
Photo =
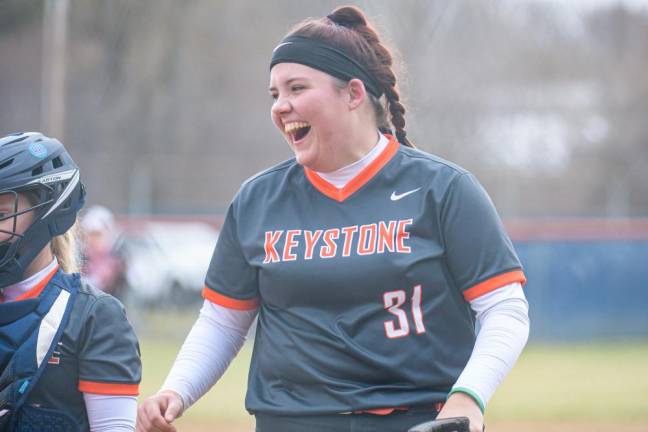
109 355
480 255
231 281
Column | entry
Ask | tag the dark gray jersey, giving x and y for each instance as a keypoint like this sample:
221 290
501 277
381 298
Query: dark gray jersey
98 353
362 292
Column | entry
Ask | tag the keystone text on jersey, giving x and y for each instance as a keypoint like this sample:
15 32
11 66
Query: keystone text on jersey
376 238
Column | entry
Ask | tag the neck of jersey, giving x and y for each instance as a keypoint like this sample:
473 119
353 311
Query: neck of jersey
342 176
14 291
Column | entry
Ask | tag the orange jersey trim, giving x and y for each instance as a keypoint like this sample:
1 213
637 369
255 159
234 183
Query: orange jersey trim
386 411
109 388
358 181
35 291
380 411
229 302
493 283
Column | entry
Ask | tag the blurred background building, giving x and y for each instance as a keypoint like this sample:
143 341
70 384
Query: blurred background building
164 105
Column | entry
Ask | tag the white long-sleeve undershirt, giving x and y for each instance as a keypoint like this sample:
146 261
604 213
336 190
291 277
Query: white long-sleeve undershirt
219 333
503 318
107 413
214 340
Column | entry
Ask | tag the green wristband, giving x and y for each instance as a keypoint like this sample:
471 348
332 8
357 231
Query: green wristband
470 393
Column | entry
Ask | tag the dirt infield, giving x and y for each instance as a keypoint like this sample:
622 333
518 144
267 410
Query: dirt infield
496 427
565 427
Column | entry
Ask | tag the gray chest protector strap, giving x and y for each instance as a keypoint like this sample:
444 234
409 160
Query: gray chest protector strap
29 332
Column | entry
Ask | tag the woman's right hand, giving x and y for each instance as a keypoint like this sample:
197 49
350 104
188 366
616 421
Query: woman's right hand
158 412
461 405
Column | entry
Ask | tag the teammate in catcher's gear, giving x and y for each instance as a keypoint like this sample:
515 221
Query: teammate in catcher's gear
67 349
366 260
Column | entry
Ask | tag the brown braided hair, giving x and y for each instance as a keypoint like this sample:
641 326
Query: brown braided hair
347 28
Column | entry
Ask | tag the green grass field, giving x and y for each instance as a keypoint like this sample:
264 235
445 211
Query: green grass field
593 387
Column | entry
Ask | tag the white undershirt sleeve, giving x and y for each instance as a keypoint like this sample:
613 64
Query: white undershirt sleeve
503 317
108 413
214 340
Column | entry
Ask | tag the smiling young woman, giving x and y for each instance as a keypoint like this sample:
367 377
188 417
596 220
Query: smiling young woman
366 260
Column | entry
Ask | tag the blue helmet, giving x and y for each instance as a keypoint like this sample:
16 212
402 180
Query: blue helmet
41 168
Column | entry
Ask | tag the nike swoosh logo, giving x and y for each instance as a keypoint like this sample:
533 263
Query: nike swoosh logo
395 197
280 45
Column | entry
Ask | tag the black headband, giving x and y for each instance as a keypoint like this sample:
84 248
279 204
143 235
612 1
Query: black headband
318 55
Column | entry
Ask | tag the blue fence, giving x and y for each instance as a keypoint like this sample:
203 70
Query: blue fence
588 287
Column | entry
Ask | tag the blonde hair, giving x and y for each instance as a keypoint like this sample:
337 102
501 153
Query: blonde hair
66 249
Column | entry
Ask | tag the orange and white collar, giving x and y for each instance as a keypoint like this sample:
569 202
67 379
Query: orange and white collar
340 177
366 172
28 287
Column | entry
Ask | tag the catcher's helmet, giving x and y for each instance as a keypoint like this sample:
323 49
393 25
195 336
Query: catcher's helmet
41 168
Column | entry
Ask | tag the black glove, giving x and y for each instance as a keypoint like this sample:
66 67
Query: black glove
453 424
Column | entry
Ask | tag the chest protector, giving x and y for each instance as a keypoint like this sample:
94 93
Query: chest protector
29 332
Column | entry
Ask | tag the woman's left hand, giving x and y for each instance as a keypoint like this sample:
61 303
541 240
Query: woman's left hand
461 405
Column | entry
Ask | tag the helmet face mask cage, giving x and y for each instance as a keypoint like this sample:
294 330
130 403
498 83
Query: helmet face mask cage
39 198
14 213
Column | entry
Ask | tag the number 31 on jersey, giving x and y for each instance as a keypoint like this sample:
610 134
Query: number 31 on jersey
395 304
